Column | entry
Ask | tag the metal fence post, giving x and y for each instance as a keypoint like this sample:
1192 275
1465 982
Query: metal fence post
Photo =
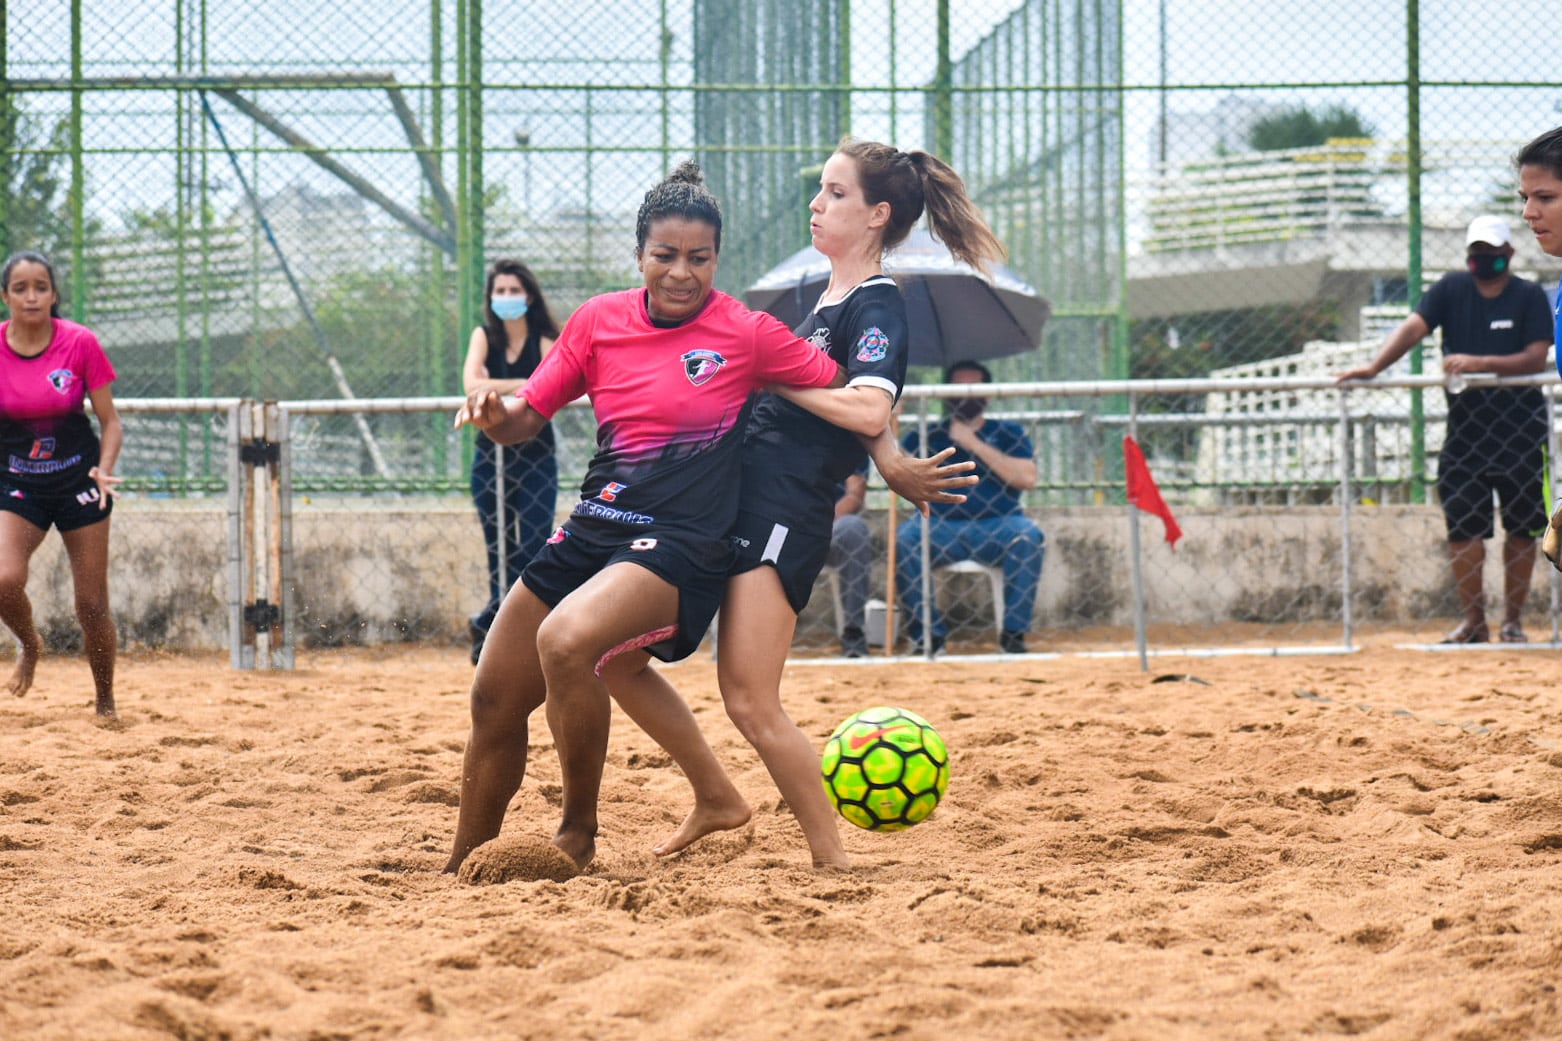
239 647
262 642
280 532
1345 516
1136 564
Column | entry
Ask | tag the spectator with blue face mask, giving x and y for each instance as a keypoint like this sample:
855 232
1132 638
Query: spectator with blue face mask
517 331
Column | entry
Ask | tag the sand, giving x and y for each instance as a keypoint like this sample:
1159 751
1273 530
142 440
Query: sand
1358 845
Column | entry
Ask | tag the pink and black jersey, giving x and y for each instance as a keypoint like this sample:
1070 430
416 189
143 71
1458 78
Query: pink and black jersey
671 404
47 440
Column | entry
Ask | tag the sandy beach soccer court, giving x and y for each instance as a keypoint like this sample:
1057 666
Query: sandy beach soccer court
1361 845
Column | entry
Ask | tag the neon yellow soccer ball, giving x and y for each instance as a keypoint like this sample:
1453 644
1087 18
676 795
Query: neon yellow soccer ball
885 768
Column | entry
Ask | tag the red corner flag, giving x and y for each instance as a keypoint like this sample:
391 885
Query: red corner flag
1142 491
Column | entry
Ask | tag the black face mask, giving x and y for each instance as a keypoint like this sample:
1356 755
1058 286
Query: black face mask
966 409
1487 266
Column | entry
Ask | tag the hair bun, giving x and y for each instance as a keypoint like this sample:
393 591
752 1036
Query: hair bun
689 172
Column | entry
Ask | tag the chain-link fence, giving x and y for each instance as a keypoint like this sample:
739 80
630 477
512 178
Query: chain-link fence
264 200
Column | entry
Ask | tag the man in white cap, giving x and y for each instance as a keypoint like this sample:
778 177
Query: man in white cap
1492 321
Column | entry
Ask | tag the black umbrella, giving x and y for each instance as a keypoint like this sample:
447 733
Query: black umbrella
954 312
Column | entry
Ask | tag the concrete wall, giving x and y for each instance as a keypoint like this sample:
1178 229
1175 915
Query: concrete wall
372 571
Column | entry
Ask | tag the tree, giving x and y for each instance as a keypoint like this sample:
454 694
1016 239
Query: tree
35 216
35 213
1300 127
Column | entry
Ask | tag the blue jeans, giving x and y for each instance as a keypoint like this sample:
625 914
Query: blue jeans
1014 543
531 489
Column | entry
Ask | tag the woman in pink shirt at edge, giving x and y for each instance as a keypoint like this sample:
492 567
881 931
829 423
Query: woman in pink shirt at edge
640 567
56 471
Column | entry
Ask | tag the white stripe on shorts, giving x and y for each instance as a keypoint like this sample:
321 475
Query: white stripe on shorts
772 554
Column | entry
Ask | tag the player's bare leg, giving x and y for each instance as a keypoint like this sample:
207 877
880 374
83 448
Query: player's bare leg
506 689
619 603
87 549
757 624
648 699
18 540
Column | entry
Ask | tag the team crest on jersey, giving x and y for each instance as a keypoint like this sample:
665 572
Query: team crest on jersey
872 345
701 365
61 380
611 491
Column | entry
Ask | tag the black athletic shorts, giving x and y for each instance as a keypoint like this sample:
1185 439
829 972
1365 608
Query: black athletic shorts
79 506
1466 486
797 558
696 565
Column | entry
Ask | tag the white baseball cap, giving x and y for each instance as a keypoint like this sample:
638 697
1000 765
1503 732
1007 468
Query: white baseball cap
1491 230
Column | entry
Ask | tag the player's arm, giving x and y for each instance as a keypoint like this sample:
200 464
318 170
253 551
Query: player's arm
506 420
862 408
917 480
111 437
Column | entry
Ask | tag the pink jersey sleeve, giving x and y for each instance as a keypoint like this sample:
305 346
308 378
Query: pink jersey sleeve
100 371
563 374
785 359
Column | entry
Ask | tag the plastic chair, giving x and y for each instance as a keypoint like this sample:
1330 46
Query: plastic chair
994 575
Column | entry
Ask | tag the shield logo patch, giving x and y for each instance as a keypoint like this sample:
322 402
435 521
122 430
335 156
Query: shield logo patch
701 365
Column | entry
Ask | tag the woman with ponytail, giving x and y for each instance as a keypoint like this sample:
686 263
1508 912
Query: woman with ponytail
803 443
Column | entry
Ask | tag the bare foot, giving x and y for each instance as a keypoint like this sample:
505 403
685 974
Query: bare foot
26 664
833 867
704 819
576 845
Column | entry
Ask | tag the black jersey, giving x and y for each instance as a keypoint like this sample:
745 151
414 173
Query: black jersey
792 459
1489 422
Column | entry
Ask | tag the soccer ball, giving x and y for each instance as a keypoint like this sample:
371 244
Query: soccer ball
885 768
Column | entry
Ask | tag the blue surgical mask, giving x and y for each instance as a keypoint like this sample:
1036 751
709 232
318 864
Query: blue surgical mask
509 308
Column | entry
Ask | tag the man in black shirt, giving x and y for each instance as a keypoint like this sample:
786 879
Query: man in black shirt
1492 321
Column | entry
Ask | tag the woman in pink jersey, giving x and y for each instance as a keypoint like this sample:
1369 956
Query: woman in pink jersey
640 567
57 471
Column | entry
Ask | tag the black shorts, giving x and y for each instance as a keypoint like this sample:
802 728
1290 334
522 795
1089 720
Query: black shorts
697 566
1465 489
797 558
77 506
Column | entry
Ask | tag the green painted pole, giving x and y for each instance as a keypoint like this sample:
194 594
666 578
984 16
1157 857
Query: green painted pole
943 117
843 74
474 93
442 374
77 201
466 305
7 133
1413 274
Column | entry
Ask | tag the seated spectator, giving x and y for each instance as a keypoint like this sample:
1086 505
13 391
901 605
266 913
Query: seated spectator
851 555
990 527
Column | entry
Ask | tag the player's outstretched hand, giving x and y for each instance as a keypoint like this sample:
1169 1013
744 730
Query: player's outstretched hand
1551 545
923 481
483 409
